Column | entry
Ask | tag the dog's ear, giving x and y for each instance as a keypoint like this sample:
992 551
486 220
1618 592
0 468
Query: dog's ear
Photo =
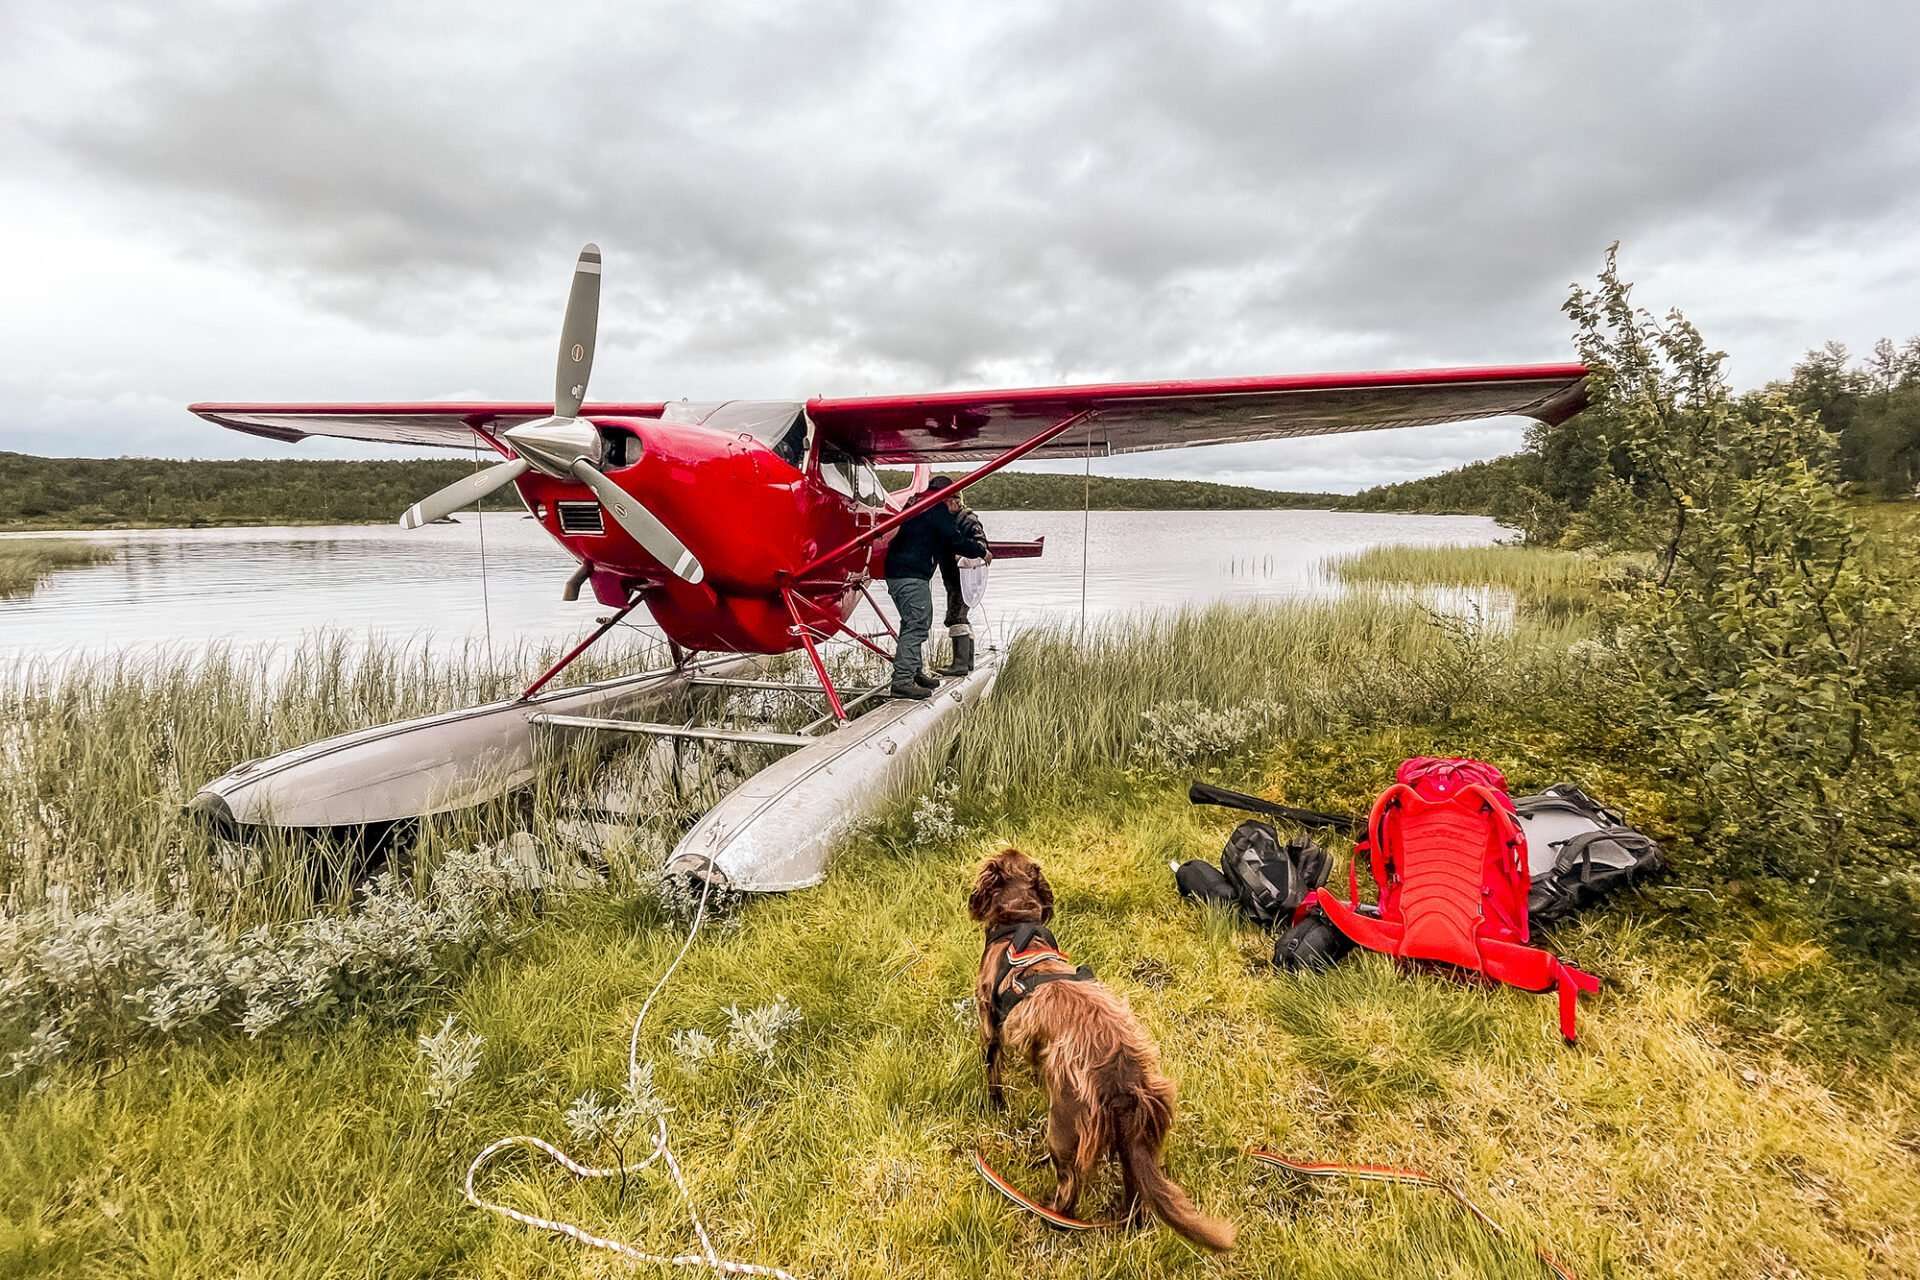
1043 891
986 886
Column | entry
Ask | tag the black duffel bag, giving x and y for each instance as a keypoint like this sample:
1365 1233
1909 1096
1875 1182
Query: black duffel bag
1313 944
1265 880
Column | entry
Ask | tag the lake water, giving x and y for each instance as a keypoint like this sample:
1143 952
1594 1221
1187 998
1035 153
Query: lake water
190 587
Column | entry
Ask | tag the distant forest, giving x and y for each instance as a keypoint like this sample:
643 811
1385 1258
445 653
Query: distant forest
1871 408
1479 488
1037 491
96 493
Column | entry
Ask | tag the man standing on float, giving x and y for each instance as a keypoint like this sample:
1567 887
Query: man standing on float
911 555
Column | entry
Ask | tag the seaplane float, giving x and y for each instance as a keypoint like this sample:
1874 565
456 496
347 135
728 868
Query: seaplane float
747 530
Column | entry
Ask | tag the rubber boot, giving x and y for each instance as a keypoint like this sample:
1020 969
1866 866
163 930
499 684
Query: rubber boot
962 657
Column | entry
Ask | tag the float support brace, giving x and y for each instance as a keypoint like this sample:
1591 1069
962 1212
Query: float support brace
813 655
577 650
867 641
875 606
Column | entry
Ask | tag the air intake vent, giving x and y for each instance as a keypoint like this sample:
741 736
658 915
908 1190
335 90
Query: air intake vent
581 517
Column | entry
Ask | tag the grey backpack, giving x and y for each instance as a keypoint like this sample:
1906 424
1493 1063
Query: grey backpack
1578 852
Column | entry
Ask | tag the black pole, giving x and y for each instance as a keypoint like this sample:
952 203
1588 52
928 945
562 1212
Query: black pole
1207 793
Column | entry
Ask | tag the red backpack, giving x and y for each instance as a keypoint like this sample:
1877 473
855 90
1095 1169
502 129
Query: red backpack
1450 859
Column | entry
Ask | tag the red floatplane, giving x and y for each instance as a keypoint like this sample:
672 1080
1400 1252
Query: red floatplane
756 528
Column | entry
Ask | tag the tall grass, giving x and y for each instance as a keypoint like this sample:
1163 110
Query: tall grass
1068 703
1555 583
100 755
24 562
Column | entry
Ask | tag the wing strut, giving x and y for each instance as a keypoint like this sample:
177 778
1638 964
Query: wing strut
927 500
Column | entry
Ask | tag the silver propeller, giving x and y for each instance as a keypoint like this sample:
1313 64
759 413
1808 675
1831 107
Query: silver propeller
463 492
577 334
567 444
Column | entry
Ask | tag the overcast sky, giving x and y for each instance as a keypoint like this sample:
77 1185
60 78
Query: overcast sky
369 200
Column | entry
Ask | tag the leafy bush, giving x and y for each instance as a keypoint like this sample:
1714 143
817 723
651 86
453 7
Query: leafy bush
452 1057
1752 666
936 819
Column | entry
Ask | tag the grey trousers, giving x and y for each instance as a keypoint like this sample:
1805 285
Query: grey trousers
913 597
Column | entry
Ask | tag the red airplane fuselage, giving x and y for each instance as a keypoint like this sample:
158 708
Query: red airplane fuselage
753 518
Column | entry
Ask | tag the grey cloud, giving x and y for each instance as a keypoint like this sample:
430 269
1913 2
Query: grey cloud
859 196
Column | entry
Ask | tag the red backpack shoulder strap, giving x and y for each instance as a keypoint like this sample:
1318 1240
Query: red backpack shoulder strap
1504 887
1383 846
1531 969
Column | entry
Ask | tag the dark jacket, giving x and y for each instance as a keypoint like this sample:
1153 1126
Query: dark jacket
974 532
921 541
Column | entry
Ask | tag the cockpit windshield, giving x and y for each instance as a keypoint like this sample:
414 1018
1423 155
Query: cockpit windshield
781 425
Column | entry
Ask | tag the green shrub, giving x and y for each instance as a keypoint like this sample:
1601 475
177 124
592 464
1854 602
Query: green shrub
1760 664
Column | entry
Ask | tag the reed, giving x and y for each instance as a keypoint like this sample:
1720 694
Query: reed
102 754
26 562
1554 583
1069 703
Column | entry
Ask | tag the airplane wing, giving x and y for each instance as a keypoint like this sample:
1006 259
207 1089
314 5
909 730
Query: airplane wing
438 424
1132 417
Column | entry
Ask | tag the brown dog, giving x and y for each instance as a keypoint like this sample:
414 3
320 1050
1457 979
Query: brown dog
1105 1093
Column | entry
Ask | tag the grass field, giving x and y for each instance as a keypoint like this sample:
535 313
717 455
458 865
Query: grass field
1667 1145
1741 1103
25 562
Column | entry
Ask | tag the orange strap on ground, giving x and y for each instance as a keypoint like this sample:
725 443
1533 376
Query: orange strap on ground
1045 1214
1404 1177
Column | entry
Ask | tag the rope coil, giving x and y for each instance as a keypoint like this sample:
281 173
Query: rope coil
708 1257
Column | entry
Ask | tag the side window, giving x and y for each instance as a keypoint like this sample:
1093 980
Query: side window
837 469
867 486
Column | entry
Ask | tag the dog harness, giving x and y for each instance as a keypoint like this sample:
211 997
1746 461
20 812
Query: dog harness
1027 945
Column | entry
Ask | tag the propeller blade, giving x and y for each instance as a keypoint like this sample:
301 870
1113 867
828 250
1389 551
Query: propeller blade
463 492
577 334
641 523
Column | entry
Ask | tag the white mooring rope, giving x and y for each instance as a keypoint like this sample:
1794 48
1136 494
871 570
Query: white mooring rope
707 1257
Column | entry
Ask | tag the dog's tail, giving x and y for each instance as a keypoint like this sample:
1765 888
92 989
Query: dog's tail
1143 1117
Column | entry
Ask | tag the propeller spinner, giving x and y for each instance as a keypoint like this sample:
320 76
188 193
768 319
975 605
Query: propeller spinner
566 444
